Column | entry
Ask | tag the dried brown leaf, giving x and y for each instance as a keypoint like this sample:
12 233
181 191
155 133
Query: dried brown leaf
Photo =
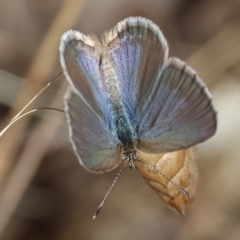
180 167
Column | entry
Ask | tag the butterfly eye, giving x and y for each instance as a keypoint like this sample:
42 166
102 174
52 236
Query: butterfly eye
180 167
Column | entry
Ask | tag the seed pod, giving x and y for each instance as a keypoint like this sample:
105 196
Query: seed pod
180 167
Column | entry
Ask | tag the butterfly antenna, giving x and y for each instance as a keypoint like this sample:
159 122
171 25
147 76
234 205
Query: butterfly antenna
101 204
173 183
15 119
40 92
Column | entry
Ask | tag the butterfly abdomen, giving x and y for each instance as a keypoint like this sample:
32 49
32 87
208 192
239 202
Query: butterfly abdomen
110 84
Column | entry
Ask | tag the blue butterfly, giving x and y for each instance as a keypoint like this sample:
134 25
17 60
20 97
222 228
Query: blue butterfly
126 95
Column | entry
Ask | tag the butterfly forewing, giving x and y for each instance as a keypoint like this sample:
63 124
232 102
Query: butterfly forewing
92 141
180 114
137 50
80 57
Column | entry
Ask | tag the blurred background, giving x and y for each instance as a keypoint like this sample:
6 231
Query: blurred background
45 193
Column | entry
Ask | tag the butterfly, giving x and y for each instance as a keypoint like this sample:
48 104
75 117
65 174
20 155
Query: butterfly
126 95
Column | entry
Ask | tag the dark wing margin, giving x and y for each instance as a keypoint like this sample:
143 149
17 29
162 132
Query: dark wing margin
93 143
180 114
137 49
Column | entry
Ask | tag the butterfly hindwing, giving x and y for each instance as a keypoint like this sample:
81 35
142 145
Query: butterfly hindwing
93 143
180 114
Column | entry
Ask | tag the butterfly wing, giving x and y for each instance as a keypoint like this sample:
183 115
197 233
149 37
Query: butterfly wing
166 101
137 49
96 149
80 58
180 113
85 105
